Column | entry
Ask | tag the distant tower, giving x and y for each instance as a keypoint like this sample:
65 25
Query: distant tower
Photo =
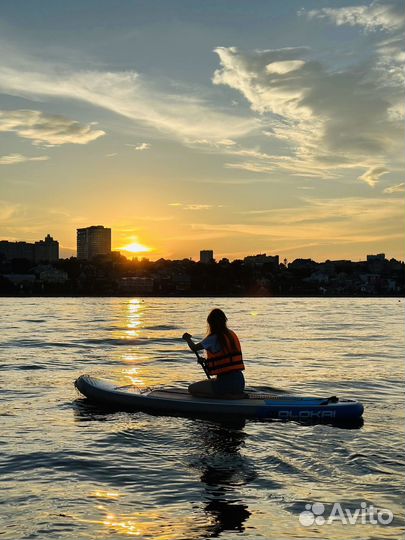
46 250
206 256
92 241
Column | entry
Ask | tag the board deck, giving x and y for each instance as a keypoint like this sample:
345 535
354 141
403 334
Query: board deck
180 401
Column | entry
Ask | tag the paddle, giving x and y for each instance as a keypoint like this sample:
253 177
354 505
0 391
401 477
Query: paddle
187 337
200 359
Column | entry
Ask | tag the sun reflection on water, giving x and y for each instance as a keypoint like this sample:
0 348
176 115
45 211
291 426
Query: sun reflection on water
133 323
104 494
133 375
148 524
136 370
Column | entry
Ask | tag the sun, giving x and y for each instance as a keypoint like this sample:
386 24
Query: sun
136 247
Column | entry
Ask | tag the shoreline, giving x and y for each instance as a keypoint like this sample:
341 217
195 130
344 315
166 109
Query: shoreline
143 295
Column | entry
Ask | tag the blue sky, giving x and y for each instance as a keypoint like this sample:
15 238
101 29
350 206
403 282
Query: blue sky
244 127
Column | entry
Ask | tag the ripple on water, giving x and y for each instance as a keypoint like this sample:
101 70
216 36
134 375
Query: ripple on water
72 470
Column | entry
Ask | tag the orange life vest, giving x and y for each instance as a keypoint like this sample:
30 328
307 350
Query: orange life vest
226 360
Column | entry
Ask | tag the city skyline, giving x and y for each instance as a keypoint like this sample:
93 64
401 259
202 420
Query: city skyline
245 128
204 255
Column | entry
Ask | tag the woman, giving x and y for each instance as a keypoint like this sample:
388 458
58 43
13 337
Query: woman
224 359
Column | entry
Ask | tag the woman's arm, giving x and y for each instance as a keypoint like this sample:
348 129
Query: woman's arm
193 346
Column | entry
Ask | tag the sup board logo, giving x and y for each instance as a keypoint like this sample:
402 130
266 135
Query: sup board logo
314 514
304 415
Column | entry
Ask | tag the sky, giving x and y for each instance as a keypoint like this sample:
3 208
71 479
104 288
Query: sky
239 126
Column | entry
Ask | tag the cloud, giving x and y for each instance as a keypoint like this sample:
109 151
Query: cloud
391 62
372 175
13 159
198 207
47 129
194 206
388 16
126 93
398 188
285 66
30 222
213 144
249 73
142 146
194 236
327 120
8 210
250 166
318 222
249 153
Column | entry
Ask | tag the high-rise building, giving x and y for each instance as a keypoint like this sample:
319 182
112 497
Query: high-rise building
206 256
92 241
44 250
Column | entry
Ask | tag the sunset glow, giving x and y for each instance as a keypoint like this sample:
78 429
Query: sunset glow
274 140
136 247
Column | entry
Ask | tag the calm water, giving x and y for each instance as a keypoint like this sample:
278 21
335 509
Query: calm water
69 470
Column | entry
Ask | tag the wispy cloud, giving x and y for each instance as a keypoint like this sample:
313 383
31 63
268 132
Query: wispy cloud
194 206
389 15
13 159
198 207
316 221
398 188
250 153
186 117
30 222
250 166
8 210
212 144
372 175
386 18
45 129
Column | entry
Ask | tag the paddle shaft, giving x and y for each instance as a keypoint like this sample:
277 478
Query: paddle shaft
200 360
187 337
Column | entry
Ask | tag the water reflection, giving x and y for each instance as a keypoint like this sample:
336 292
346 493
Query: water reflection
134 377
130 328
133 318
214 451
224 473
169 523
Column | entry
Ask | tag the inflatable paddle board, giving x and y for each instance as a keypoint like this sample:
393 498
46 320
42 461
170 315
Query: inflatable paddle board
252 405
